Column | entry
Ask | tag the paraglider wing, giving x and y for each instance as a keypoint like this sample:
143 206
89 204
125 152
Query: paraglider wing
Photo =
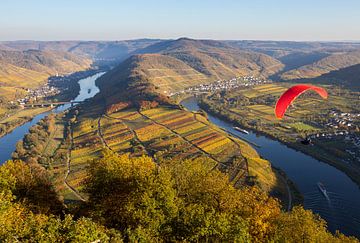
291 94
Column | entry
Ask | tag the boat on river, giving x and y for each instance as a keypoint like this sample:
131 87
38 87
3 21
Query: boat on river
323 190
241 130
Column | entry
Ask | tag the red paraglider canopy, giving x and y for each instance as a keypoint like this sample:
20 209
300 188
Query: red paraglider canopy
291 94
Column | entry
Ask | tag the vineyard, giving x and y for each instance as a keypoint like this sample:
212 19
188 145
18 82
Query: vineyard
162 133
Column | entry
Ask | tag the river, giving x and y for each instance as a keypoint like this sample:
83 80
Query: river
341 210
8 142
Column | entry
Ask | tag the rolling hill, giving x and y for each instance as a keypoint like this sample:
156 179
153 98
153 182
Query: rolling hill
96 50
348 77
31 68
170 66
325 65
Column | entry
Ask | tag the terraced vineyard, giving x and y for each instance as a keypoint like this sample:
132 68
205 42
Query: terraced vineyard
264 90
162 133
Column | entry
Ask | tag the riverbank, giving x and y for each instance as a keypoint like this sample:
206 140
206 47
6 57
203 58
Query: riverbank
8 141
69 85
69 89
19 118
353 173
262 173
341 211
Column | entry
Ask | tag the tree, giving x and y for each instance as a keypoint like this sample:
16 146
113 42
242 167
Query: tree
22 216
303 226
130 193
189 201
31 185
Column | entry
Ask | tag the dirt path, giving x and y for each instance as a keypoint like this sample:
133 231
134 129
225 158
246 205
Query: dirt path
99 133
135 136
186 140
68 164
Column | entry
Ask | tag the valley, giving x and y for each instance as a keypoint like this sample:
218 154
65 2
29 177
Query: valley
133 110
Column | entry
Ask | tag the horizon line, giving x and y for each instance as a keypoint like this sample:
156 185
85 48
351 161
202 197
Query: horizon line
164 39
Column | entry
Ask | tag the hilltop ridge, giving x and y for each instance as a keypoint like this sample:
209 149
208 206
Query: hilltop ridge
325 65
173 65
31 68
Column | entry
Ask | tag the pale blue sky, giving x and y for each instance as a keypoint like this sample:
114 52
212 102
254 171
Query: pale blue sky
222 19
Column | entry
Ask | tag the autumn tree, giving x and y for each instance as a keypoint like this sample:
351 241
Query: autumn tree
31 185
189 201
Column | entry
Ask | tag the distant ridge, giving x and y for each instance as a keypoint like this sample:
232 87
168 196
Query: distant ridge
325 65
348 77
108 50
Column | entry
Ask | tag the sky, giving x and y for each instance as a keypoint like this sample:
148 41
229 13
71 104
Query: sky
310 20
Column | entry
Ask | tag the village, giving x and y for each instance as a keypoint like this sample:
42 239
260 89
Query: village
349 140
343 127
343 119
233 83
34 95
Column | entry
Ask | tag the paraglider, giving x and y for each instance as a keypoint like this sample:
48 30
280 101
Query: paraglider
292 93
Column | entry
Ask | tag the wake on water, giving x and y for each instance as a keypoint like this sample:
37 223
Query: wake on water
335 210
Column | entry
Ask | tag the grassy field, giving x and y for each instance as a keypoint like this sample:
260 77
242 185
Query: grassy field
258 111
300 127
263 90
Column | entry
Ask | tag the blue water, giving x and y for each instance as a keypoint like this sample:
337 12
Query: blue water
341 211
8 142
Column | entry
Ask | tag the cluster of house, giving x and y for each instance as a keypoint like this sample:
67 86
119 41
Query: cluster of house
224 85
329 135
351 139
342 120
37 94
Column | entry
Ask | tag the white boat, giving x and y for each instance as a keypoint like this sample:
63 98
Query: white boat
323 190
241 130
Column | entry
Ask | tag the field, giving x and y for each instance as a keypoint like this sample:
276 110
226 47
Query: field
300 126
258 111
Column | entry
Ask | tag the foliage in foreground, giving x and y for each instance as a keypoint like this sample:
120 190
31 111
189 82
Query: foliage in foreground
140 201
28 205
186 200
